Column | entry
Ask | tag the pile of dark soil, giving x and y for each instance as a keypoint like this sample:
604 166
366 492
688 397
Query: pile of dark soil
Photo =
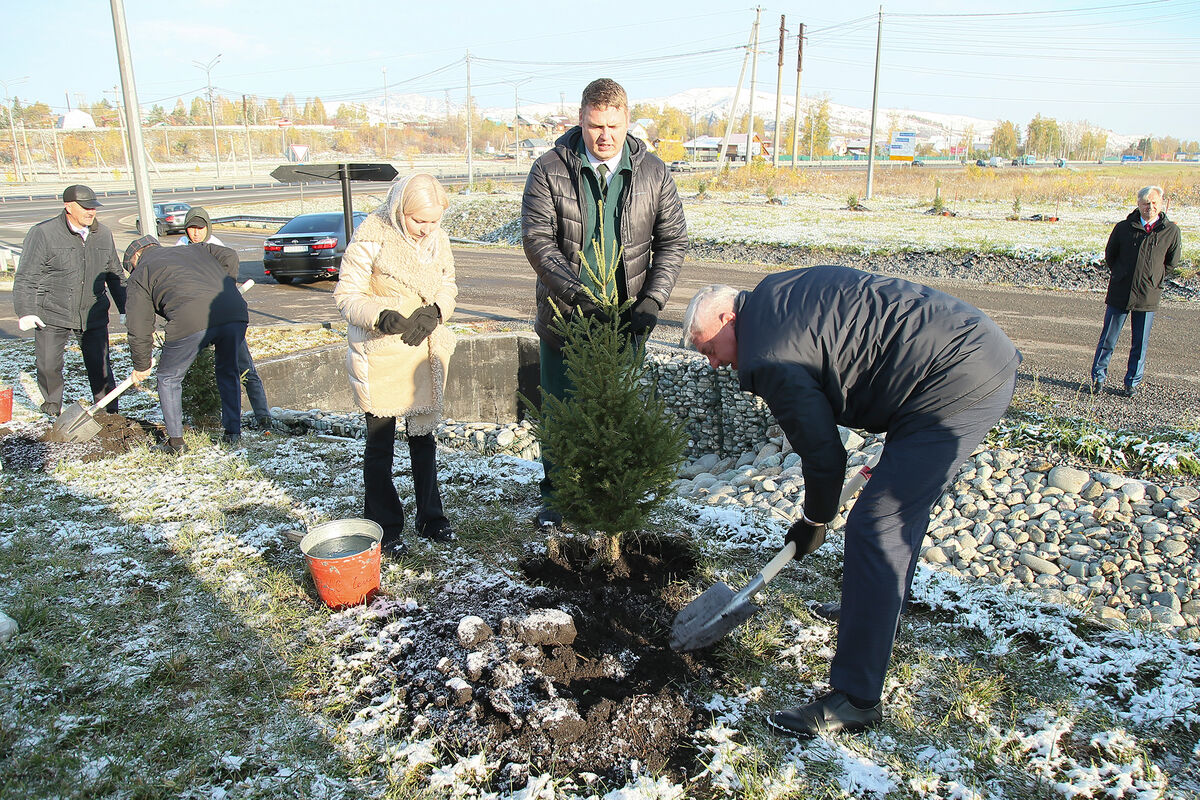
564 669
28 446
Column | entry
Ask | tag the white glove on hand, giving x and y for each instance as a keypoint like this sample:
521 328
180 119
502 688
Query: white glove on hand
29 322
122 318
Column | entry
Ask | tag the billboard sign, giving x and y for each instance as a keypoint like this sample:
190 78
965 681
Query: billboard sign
903 146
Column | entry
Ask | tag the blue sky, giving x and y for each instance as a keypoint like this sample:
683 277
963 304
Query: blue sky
1130 67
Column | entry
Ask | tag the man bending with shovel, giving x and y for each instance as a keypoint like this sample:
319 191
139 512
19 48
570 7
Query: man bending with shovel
195 290
829 346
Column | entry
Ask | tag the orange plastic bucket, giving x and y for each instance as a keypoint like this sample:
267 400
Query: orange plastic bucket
344 558
6 404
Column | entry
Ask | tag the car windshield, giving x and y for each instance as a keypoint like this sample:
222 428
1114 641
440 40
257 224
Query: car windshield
171 209
314 223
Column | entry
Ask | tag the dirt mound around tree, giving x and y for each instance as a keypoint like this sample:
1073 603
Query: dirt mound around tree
30 446
571 676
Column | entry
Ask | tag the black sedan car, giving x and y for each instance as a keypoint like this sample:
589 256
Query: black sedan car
168 218
309 246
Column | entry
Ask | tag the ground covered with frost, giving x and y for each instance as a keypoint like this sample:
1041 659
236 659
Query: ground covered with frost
172 645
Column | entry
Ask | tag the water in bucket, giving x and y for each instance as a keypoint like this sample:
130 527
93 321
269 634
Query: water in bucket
342 546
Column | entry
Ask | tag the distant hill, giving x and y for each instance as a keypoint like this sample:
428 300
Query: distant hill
713 102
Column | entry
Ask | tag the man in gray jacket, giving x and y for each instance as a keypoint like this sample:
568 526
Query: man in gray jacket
830 346
68 268
598 178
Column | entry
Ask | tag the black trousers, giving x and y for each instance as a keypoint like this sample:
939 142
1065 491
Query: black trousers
381 502
884 533
50 343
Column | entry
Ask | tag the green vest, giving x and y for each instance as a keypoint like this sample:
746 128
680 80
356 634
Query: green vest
610 202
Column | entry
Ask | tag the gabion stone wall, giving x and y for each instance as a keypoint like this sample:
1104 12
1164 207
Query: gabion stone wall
718 416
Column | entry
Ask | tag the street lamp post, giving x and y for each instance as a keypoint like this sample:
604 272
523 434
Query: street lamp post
212 117
517 122
386 116
13 128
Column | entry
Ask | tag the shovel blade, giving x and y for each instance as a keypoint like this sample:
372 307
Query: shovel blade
707 619
75 424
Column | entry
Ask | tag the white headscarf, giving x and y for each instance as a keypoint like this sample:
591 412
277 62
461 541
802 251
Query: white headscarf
392 212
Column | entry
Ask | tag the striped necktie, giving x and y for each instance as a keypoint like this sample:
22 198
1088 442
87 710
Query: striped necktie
602 171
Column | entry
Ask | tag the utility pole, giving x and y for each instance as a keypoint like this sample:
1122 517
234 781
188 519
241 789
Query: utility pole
796 121
121 125
874 107
733 108
141 179
778 97
386 115
517 121
753 84
212 117
246 125
470 159
8 104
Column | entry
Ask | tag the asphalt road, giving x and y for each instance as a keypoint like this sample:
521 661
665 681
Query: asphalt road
1055 330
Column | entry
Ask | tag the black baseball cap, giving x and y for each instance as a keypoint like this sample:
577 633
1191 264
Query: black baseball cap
81 194
135 247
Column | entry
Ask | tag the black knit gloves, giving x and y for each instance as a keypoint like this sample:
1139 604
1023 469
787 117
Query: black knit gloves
392 322
807 536
643 316
422 322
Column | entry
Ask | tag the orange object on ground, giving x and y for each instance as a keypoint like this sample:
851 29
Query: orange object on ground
344 558
6 404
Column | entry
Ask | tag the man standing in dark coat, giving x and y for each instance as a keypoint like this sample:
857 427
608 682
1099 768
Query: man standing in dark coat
830 346
195 290
68 268
597 178
1140 251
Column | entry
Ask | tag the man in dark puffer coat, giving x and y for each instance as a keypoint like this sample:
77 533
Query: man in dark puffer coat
1140 251
597 178
830 346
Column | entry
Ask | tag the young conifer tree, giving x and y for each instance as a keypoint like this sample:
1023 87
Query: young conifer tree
614 447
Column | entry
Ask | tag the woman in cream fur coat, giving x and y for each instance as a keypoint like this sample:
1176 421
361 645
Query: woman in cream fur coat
397 290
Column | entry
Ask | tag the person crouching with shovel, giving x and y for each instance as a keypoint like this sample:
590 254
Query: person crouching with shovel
828 346
195 290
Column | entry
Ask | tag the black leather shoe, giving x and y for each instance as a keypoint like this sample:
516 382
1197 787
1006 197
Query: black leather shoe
1129 391
438 531
231 438
1097 387
394 549
548 518
833 713
171 447
50 409
829 611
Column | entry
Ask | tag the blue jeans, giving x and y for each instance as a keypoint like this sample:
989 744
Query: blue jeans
1114 320
253 383
178 354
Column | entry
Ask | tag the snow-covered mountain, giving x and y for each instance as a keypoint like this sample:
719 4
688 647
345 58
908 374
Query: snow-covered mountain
713 102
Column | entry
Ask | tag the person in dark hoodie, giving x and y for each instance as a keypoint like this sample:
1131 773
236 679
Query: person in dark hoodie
68 269
198 230
597 169
195 290
1140 251
829 346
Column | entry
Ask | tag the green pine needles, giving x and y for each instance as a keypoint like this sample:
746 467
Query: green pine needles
615 449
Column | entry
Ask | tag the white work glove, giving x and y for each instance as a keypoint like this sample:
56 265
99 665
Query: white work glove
122 318
29 322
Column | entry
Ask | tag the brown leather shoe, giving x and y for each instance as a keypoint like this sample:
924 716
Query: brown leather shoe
832 713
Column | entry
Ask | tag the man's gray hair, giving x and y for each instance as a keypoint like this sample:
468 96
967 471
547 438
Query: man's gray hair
705 306
1145 191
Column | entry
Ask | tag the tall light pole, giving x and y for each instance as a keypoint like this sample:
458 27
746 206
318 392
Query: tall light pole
386 116
133 117
8 104
212 117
